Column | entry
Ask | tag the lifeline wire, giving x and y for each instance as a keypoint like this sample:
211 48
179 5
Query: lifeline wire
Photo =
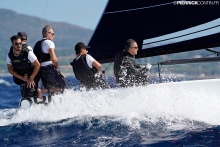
43 14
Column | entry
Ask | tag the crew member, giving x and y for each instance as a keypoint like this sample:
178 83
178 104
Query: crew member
126 71
24 66
86 69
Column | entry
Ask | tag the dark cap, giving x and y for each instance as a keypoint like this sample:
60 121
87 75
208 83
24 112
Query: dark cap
79 46
23 35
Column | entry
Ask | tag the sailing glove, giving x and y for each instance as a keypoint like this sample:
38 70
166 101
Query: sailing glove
148 66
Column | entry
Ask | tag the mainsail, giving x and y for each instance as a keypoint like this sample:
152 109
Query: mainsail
159 27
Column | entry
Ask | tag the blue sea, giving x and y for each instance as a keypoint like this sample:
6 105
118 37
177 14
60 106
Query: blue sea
178 114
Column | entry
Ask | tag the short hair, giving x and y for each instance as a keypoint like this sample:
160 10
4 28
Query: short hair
129 44
15 37
46 29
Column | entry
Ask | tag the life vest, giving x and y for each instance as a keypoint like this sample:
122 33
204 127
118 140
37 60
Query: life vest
82 71
41 56
21 63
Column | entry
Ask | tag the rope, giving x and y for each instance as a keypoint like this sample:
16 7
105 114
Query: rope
201 57
43 15
208 55
139 8
108 66
67 84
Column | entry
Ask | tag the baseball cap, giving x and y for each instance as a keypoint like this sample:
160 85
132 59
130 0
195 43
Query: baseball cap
79 46
23 35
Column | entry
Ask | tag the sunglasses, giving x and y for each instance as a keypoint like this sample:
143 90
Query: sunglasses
17 44
51 33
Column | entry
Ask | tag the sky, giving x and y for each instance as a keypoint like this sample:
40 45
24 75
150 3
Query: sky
83 13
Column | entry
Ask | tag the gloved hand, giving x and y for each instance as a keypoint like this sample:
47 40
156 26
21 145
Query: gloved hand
148 66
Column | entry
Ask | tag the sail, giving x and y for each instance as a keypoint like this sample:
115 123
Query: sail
159 27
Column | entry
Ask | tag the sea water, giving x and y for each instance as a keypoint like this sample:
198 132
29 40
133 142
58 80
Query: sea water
167 114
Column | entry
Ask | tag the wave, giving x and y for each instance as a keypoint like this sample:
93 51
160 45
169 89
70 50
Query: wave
158 114
4 82
175 104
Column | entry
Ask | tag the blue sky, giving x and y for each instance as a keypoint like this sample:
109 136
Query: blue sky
84 13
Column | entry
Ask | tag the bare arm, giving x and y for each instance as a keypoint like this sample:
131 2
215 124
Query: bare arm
53 57
30 81
97 65
36 68
15 74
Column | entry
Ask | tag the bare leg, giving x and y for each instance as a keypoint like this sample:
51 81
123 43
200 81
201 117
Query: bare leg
53 90
40 95
42 91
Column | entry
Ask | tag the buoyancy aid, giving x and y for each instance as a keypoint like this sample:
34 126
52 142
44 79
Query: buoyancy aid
41 56
82 71
21 63
87 76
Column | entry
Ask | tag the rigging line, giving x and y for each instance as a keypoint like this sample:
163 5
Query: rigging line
108 66
182 35
64 78
213 51
43 15
185 59
208 55
165 60
138 8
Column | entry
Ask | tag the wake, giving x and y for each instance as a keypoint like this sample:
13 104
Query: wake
176 105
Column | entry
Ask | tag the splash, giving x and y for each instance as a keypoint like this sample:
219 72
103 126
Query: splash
174 105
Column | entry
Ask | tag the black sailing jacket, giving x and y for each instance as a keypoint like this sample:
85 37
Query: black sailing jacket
127 72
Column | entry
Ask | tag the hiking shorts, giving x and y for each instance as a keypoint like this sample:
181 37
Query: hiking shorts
51 78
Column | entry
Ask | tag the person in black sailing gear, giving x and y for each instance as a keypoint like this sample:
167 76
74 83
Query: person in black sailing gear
24 66
44 49
126 71
86 69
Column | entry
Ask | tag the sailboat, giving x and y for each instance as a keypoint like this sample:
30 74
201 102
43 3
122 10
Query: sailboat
159 27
